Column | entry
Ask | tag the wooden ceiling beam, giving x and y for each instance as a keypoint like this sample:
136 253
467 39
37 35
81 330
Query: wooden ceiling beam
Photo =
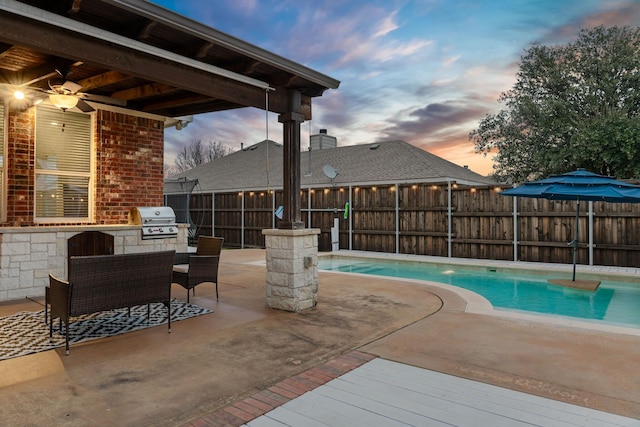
204 50
4 47
65 43
212 105
42 72
175 102
102 80
146 30
144 91
75 7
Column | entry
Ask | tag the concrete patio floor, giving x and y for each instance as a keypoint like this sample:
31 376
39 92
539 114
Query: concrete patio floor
151 378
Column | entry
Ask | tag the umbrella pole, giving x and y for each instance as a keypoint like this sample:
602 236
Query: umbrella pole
575 240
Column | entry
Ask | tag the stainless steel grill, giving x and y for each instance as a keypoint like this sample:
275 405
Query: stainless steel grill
156 222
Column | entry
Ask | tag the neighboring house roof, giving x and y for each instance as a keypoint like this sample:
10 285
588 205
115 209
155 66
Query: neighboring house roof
260 166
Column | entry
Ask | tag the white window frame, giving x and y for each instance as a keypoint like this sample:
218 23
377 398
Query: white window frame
90 218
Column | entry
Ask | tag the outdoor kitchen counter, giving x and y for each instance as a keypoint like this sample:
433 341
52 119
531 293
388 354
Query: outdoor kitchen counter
71 228
29 254
75 228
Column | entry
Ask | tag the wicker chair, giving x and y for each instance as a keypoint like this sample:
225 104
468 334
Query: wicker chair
191 269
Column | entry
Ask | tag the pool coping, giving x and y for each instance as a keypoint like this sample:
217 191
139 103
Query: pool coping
583 271
476 304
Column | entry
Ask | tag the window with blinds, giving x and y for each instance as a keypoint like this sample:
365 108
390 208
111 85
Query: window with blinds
63 166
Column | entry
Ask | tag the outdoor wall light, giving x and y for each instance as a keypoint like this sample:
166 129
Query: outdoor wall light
63 102
18 94
181 124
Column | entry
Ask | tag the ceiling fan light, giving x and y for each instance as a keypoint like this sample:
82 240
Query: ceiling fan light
64 102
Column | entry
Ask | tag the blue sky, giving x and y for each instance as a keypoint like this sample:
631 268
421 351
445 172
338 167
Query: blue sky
422 71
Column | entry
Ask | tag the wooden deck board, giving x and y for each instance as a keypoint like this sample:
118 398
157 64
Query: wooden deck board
437 406
485 397
385 393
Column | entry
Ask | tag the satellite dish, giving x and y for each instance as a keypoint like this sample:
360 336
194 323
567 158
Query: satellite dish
329 171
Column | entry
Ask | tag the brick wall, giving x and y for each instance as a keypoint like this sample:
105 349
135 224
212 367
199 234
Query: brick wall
129 166
20 160
130 162
129 172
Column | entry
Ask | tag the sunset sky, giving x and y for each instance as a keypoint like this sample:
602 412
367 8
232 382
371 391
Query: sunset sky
422 71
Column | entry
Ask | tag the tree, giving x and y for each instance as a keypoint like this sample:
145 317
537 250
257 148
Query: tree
572 106
198 153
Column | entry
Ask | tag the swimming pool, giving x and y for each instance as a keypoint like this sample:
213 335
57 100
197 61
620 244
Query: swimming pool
616 303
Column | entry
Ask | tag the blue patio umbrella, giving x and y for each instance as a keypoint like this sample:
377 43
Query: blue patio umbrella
578 185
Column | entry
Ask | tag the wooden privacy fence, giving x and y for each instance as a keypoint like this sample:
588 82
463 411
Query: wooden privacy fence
440 219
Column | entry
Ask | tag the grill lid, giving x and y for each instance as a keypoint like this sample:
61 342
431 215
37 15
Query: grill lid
152 215
157 222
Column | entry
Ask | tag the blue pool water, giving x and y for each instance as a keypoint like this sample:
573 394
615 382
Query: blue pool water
616 303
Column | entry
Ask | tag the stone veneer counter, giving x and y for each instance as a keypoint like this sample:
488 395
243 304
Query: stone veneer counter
29 254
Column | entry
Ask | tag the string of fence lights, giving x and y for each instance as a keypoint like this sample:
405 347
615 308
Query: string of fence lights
373 188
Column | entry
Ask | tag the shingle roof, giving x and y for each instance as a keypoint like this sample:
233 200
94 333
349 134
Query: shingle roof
260 166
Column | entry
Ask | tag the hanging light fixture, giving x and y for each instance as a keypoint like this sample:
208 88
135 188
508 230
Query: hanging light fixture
62 101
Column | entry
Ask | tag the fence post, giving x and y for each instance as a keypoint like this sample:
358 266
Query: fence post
213 213
397 220
273 208
242 219
590 233
449 220
350 218
309 203
515 229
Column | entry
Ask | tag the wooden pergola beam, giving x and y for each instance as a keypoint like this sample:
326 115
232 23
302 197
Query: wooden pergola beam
104 79
142 91
67 44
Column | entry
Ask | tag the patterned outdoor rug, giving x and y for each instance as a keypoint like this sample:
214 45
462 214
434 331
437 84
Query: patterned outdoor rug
26 333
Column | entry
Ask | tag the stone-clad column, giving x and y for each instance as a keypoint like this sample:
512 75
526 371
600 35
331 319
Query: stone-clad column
292 268
292 250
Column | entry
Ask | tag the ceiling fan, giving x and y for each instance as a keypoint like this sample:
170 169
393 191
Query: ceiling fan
67 95
63 93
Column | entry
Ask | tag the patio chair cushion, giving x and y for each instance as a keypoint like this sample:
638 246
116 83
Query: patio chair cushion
181 268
